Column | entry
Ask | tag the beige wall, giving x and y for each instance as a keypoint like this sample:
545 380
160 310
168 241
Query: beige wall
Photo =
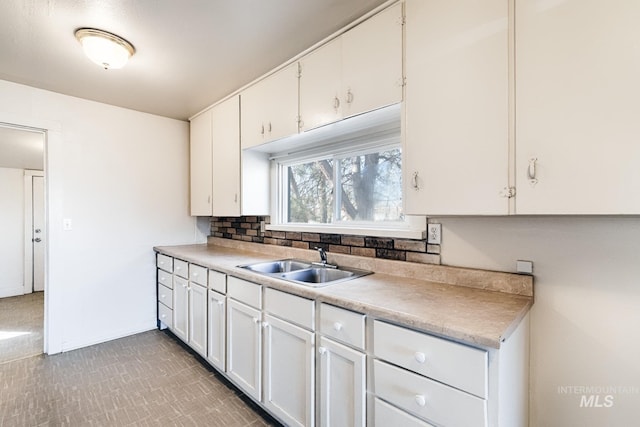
585 323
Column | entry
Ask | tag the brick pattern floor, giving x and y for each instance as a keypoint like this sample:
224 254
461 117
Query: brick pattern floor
148 379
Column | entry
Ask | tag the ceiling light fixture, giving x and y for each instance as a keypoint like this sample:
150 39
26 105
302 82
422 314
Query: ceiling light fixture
105 49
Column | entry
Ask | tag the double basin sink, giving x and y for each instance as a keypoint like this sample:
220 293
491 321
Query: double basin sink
305 273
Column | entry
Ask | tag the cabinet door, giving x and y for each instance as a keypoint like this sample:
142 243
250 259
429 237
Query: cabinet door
457 95
244 349
269 108
217 330
181 308
342 385
226 158
320 86
372 63
288 368
577 109
198 318
200 162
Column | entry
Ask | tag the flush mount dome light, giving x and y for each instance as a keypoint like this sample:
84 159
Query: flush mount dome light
105 49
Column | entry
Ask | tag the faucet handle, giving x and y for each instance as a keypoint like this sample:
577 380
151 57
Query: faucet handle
323 254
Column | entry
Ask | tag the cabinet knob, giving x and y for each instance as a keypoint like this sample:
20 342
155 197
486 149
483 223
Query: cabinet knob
337 326
322 350
349 96
220 302
194 274
265 325
162 279
262 130
336 103
414 181
163 296
184 285
420 400
420 357
256 320
269 127
161 262
531 171
163 316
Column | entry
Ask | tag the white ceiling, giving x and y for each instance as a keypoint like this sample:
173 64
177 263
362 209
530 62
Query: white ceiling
189 53
21 149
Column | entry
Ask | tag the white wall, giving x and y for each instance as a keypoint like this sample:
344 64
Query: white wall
122 177
11 232
585 323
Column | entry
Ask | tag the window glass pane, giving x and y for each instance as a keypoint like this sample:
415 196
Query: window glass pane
371 187
310 188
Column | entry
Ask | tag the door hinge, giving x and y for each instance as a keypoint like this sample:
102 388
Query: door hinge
508 192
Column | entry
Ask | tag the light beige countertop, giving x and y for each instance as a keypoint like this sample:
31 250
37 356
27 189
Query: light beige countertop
421 296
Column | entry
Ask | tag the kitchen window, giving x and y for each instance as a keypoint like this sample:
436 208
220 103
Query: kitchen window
353 186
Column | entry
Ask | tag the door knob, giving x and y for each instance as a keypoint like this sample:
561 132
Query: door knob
37 230
37 239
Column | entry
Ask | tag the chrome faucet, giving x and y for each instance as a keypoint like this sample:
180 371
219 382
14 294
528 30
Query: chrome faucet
323 254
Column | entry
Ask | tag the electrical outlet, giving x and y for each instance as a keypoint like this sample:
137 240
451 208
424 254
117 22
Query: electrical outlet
524 267
434 234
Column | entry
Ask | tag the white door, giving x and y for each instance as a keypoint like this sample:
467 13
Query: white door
180 308
216 330
288 369
577 109
342 385
457 107
39 233
198 318
201 170
244 348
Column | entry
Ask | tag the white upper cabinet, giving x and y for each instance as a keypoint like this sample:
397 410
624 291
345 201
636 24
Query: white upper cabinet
321 86
269 108
457 107
577 107
201 166
357 72
226 158
372 63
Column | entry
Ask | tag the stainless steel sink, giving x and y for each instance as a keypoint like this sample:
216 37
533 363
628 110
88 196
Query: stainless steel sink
281 266
305 273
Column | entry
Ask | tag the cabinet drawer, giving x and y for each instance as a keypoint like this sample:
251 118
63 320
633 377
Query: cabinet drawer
198 274
343 325
454 364
290 307
246 292
388 415
165 296
165 279
165 315
181 268
165 263
431 400
218 281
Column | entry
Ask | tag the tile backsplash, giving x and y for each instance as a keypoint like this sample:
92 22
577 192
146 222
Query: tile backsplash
247 228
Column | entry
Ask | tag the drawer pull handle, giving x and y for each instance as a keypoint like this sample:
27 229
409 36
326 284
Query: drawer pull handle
161 262
265 325
256 320
322 350
420 357
162 279
163 316
420 400
195 274
220 302
163 296
184 285
337 326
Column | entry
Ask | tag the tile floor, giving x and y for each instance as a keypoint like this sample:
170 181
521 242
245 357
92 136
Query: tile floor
149 379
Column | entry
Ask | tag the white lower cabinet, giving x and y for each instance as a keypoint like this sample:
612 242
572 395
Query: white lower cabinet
288 372
216 330
181 308
342 385
198 318
244 347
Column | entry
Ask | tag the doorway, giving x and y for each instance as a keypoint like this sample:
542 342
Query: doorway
23 246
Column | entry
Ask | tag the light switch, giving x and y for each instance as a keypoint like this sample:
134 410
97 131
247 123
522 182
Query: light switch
66 224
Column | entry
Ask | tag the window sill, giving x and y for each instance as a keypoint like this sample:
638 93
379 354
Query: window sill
401 233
